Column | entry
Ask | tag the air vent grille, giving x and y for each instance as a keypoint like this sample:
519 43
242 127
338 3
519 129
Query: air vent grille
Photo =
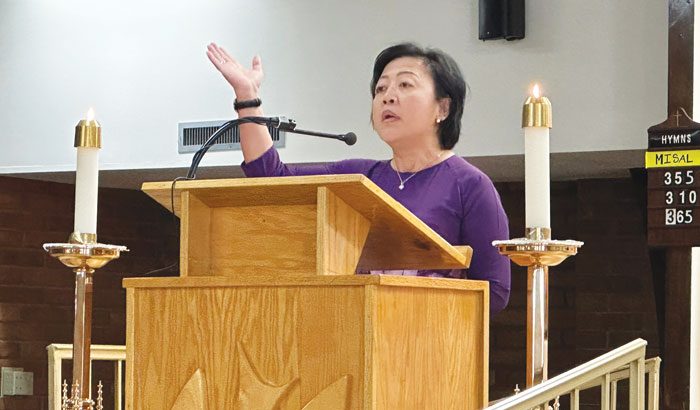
191 136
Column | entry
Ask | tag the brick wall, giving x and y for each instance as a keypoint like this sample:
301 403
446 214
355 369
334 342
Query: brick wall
36 291
599 299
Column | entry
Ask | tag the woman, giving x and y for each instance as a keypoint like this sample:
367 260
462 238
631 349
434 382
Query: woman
418 99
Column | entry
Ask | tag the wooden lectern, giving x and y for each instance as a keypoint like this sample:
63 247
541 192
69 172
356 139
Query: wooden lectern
268 312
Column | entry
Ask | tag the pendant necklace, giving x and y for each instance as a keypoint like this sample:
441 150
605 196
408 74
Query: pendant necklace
402 183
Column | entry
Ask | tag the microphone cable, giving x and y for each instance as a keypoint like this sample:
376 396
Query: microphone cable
175 223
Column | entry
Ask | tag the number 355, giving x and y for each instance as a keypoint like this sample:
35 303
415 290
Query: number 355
679 177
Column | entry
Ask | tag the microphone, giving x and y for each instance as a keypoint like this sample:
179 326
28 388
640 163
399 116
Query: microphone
287 124
282 123
349 138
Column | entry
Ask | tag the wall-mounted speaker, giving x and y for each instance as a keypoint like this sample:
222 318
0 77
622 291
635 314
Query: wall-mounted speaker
501 19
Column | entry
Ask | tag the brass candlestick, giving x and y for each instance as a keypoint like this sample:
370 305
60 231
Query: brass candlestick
538 252
84 257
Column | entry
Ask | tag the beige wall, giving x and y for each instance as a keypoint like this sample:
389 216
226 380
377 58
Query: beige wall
142 66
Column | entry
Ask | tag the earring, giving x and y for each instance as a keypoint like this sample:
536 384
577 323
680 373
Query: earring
438 121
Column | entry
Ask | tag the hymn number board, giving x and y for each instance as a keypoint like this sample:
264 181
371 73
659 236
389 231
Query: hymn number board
673 186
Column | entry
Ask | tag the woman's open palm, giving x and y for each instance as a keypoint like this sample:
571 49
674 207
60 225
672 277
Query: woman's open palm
245 81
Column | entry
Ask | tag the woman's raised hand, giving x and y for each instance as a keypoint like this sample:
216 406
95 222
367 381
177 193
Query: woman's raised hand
245 81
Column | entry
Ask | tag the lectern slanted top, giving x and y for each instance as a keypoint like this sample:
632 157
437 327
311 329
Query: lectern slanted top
324 225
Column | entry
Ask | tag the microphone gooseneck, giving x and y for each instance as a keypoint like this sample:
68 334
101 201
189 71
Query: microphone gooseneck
282 123
349 138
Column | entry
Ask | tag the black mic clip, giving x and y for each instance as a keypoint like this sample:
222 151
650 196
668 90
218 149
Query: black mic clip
283 123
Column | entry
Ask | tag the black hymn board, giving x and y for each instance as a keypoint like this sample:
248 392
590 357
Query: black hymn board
673 194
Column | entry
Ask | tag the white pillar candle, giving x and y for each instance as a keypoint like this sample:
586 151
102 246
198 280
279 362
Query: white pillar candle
86 177
537 120
537 177
88 142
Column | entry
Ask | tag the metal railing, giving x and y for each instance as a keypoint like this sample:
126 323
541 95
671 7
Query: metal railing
59 352
626 362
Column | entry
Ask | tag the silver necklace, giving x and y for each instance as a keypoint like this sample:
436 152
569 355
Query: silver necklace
402 183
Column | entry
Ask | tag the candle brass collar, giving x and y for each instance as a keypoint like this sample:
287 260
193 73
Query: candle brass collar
82 238
537 112
88 134
538 234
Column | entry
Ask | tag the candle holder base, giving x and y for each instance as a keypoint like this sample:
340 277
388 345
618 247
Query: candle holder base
83 258
545 252
84 255
537 253
74 402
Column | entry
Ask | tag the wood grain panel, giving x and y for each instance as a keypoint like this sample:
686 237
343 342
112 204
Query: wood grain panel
331 339
429 350
467 251
181 330
129 373
271 280
250 191
256 347
398 342
264 240
371 364
334 397
255 390
398 239
195 249
192 396
342 232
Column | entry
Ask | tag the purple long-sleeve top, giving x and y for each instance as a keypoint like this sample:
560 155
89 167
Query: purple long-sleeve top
453 197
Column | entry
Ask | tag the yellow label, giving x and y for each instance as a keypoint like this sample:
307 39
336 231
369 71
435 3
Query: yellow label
673 159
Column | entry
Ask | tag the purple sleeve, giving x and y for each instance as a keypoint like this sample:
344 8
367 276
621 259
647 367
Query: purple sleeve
485 221
270 165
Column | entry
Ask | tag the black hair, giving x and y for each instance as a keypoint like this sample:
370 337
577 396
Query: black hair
448 80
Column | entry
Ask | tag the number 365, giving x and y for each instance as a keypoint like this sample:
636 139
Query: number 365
679 216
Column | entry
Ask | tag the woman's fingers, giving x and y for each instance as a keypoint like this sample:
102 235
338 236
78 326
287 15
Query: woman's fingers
221 56
215 52
257 70
232 70
227 57
218 57
257 64
214 60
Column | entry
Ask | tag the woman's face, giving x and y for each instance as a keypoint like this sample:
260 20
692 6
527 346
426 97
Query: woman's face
404 108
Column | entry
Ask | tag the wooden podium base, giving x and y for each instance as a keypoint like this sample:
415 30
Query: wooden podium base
318 342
